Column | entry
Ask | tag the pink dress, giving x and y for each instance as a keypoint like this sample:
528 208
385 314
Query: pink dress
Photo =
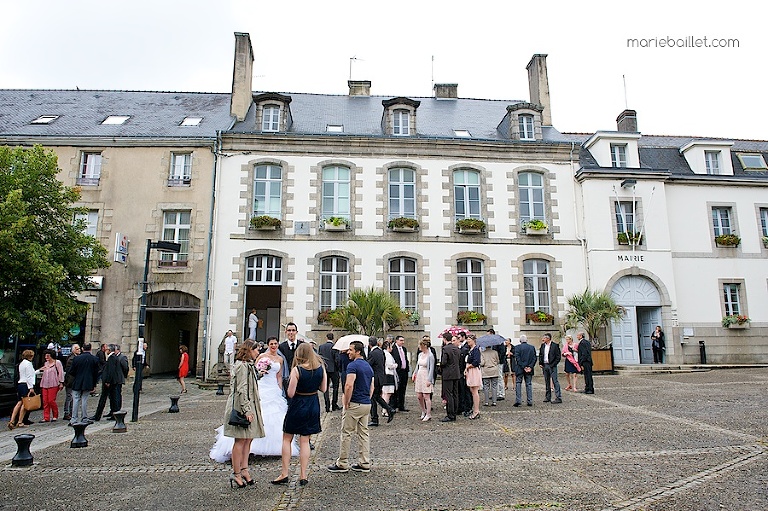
424 375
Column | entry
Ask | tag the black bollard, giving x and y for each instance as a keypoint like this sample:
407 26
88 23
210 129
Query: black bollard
174 404
220 390
702 352
119 422
79 440
23 457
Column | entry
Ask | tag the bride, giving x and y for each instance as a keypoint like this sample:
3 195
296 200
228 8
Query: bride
273 408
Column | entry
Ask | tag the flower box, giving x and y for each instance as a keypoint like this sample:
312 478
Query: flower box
765 241
736 321
336 223
403 224
736 326
535 227
530 231
540 323
628 238
470 226
265 223
472 323
540 318
727 240
403 229
471 318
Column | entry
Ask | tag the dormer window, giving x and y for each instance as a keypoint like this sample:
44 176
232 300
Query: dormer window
619 155
709 157
522 122
399 117
272 112
525 125
712 162
401 122
270 120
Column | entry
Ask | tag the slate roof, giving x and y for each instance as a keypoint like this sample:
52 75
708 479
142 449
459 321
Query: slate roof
153 114
362 116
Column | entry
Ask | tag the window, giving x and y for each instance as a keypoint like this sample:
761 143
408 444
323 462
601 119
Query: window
90 169
764 221
401 122
531 190
267 190
181 169
525 125
45 119
625 217
336 192
618 155
176 228
191 121
752 161
271 118
721 221
731 299
334 128
402 193
334 282
471 292
712 162
536 284
116 119
263 270
90 219
402 281
466 194
462 133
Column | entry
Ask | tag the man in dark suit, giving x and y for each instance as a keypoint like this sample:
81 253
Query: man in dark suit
549 357
112 378
449 365
288 348
329 358
525 361
85 371
585 361
400 354
376 360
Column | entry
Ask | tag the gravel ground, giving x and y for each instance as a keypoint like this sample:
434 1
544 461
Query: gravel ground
691 441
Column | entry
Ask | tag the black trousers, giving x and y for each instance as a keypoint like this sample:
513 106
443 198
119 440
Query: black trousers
465 397
334 381
399 397
589 385
105 390
377 399
451 389
658 355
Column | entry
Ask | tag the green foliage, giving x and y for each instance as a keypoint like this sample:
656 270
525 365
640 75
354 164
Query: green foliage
535 224
470 223
258 222
44 258
735 319
592 310
540 316
403 222
470 317
336 221
368 312
625 238
729 240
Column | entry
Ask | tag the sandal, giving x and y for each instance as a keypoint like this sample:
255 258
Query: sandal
11 425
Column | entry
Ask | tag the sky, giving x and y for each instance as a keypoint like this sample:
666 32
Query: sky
403 47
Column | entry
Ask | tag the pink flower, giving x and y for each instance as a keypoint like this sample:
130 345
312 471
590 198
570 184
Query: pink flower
263 364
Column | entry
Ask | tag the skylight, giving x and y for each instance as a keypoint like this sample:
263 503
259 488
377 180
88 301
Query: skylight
752 161
334 128
462 133
191 121
45 119
116 119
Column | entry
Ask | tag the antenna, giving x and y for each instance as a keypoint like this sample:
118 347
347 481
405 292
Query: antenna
350 66
626 104
433 72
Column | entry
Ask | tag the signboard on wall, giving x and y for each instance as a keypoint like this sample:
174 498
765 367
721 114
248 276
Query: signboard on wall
121 248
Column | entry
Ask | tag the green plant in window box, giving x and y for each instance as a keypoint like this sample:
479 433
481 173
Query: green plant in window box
540 316
765 241
403 223
337 221
627 238
411 316
728 240
470 224
466 317
326 315
265 222
735 319
535 224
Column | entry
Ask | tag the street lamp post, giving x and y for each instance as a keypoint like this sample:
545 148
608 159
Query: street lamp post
164 246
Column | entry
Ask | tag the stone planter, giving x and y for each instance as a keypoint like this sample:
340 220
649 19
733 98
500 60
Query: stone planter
473 323
465 230
540 323
737 326
404 229
265 228
335 228
536 232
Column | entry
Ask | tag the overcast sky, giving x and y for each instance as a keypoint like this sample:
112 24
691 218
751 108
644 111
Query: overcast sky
484 46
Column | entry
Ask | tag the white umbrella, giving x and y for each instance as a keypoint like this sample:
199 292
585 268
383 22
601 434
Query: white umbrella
343 343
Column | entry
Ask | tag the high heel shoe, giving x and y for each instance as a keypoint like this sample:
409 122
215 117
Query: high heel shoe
303 482
282 480
233 482
473 417
249 481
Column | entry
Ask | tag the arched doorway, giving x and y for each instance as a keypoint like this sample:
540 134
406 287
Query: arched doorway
172 320
632 335
263 292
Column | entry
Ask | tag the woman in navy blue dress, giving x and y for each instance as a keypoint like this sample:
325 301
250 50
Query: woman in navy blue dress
303 416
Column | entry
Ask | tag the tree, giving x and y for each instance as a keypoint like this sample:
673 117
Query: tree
368 312
593 310
45 258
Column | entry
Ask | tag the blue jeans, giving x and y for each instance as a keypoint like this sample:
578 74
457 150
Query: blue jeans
528 387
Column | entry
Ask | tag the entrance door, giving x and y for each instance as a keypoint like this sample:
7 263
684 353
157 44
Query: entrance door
647 319
263 278
625 338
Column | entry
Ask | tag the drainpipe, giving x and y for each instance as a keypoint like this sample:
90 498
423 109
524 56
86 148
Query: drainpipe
583 241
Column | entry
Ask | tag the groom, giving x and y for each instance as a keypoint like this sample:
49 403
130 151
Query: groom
288 349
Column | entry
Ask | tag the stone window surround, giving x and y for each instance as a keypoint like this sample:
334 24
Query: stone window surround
272 99
354 183
166 164
450 211
238 277
556 292
246 181
732 217
382 174
760 234
549 190
421 291
639 219
313 278
399 103
489 279
743 310
76 163
518 109
158 214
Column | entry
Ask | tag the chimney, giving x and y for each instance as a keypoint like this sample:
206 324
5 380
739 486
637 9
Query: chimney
538 84
446 90
627 121
359 87
242 77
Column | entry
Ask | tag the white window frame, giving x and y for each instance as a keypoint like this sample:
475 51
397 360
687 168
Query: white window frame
402 193
263 270
764 221
619 155
731 299
181 169
525 126
721 220
334 283
91 219
336 192
532 205
463 190
268 201
90 168
536 281
471 285
270 120
177 230
401 122
712 162
626 216
403 277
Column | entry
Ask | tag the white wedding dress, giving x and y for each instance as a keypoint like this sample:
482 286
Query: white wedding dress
273 408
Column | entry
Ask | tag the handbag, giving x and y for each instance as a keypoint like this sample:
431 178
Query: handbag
237 418
32 403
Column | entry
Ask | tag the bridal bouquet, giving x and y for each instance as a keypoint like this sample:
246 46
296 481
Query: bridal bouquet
263 365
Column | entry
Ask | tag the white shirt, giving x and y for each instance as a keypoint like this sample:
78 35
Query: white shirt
546 352
27 373
229 344
253 320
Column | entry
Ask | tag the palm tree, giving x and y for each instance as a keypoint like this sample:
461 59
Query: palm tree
593 310
368 312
